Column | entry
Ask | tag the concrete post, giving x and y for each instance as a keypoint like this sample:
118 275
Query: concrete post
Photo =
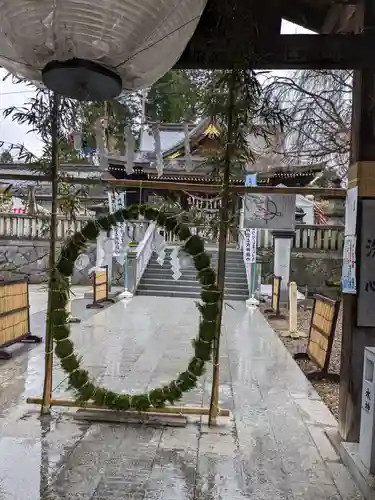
282 246
132 271
293 308
293 315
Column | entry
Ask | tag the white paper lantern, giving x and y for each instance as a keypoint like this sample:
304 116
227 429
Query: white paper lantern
93 49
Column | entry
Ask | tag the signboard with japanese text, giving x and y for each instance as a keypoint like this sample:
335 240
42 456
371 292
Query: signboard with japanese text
366 291
348 278
250 246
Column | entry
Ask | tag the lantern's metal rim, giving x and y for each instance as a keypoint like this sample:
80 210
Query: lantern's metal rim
82 80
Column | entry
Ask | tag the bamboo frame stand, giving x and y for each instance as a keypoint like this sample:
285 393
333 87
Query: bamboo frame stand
168 410
15 316
321 336
227 189
100 289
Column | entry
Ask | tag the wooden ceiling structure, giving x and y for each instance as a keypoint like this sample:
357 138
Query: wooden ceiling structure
247 33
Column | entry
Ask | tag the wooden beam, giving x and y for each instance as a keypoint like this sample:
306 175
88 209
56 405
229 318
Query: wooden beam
330 51
216 188
181 186
309 16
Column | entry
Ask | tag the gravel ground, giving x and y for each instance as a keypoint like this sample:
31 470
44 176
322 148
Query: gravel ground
328 390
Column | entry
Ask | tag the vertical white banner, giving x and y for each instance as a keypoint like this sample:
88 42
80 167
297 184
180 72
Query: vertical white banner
116 201
250 246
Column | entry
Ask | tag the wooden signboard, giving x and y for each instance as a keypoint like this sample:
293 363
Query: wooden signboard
322 331
14 315
100 288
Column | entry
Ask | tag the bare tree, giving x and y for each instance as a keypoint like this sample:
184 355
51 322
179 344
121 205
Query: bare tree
319 104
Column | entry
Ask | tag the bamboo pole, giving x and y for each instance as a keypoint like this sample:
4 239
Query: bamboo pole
47 387
223 231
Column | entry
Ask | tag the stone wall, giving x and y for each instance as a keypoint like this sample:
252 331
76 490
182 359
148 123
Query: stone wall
20 258
309 268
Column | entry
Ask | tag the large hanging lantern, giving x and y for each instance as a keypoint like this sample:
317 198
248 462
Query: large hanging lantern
94 49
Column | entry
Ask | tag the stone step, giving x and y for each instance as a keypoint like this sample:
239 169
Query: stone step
187 280
167 275
192 295
158 280
229 257
157 266
168 263
173 286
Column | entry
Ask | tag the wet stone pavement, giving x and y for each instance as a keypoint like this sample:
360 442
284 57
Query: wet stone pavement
274 447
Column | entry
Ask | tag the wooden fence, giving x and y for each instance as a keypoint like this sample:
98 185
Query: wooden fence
322 331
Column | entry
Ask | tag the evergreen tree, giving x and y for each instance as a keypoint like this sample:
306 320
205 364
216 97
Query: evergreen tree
6 156
174 98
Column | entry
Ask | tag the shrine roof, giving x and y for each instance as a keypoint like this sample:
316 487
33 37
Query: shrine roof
303 173
172 137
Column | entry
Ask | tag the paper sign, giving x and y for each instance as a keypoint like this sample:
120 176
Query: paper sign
251 180
348 279
351 211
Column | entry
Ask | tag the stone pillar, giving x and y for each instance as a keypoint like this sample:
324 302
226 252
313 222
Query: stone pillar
282 246
358 310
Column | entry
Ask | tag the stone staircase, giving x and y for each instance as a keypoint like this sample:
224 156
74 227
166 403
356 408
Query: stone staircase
158 280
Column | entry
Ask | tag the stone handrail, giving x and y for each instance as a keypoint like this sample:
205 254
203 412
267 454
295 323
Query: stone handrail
143 254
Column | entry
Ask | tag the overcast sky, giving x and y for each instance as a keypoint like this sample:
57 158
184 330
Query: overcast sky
16 94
